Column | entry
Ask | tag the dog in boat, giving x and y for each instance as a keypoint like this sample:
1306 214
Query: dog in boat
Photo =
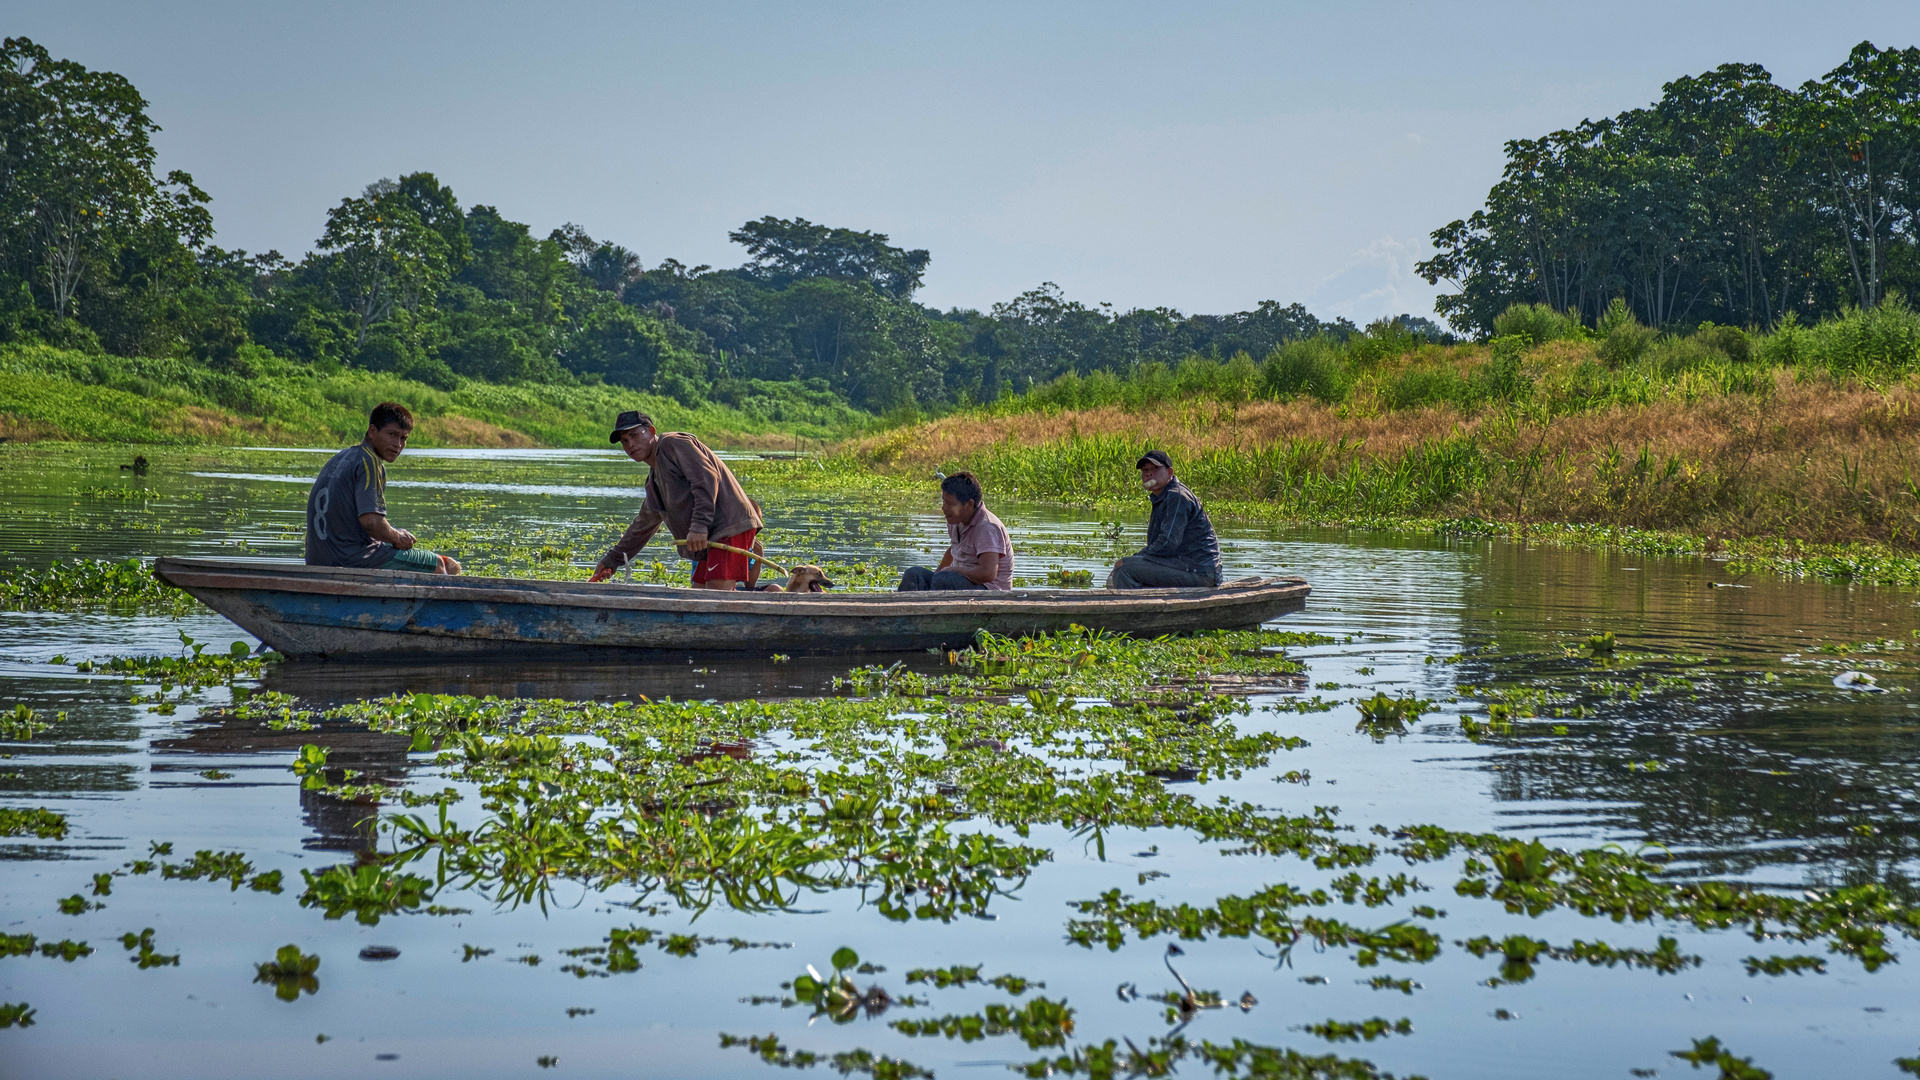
807 578
803 578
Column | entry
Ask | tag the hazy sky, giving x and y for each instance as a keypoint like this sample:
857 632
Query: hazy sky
1201 156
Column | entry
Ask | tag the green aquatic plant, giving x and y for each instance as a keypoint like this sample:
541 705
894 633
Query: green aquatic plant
1162 1057
1519 953
1388 982
962 975
195 669
83 584
1368 1030
935 793
310 764
145 955
367 891
67 950
42 823
771 1050
1381 715
21 724
836 996
206 865
1523 862
1601 644
1782 965
1038 1023
20 1014
1709 1052
290 972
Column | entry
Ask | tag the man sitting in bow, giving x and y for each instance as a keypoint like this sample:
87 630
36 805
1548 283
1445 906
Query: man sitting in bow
1181 551
694 494
347 506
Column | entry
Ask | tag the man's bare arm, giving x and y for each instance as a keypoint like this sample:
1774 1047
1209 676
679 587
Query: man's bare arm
645 524
983 573
378 528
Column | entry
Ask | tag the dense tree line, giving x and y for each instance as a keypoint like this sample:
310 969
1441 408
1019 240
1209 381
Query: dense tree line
1730 200
100 254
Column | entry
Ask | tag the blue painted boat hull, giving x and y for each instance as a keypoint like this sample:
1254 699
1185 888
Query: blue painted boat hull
340 613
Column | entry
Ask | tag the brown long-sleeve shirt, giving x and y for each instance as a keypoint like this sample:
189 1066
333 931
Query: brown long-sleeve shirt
688 490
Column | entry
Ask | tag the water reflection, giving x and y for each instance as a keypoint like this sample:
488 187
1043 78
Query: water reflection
1714 729
336 824
685 678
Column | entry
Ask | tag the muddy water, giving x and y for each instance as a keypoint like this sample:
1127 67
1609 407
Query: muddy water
1717 732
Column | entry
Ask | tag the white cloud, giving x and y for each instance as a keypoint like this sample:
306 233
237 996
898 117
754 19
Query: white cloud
1377 280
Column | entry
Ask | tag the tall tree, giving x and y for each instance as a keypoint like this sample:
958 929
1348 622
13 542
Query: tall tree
381 255
76 173
1860 130
784 251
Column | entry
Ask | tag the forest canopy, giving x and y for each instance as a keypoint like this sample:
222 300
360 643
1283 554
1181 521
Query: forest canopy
1730 200
98 253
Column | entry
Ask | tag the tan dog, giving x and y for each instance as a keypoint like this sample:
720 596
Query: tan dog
807 578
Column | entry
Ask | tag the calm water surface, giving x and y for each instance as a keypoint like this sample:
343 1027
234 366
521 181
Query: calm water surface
1731 746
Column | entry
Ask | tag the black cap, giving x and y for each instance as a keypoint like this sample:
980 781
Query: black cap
1155 457
629 419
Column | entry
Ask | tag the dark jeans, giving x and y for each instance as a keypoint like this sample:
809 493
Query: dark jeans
1147 572
921 579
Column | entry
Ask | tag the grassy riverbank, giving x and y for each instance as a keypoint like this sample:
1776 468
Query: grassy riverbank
1781 448
48 393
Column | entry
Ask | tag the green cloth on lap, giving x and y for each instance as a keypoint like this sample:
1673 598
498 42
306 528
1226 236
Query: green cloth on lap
417 559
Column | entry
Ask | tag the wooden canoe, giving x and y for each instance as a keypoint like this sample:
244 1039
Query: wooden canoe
334 612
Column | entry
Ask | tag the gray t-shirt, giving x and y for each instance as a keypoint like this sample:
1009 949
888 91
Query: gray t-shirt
351 483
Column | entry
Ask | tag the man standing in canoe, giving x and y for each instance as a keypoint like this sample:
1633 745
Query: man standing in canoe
694 494
347 508
1181 551
979 553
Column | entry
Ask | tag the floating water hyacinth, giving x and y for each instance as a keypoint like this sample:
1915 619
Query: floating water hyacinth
290 972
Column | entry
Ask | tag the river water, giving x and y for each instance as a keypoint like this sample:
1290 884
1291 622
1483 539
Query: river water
1719 734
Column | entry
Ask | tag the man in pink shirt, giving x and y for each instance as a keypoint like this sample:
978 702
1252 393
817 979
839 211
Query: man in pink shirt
979 554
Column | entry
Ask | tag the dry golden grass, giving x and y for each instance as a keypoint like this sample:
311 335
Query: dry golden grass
1807 458
466 431
198 424
1189 427
22 429
768 440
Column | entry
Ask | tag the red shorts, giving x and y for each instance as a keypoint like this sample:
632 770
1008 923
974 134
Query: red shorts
725 565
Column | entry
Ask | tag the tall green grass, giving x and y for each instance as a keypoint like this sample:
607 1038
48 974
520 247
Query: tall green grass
1305 477
131 399
1537 355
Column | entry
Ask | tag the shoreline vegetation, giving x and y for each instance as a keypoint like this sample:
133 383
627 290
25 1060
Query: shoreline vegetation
1790 452
49 394
1793 450
1745 385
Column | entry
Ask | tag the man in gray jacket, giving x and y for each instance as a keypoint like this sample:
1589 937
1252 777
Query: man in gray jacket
1181 551
694 494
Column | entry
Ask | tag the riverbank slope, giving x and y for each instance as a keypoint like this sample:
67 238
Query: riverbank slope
1712 456
59 394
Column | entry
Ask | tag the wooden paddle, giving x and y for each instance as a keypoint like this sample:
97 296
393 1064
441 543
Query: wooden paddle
741 551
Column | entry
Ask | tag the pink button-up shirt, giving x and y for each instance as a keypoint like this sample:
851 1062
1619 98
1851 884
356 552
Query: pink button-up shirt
966 543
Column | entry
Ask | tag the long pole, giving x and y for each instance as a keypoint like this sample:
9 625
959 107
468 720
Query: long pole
741 551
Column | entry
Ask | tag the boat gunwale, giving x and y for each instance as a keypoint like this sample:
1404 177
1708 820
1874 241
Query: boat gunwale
290 577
